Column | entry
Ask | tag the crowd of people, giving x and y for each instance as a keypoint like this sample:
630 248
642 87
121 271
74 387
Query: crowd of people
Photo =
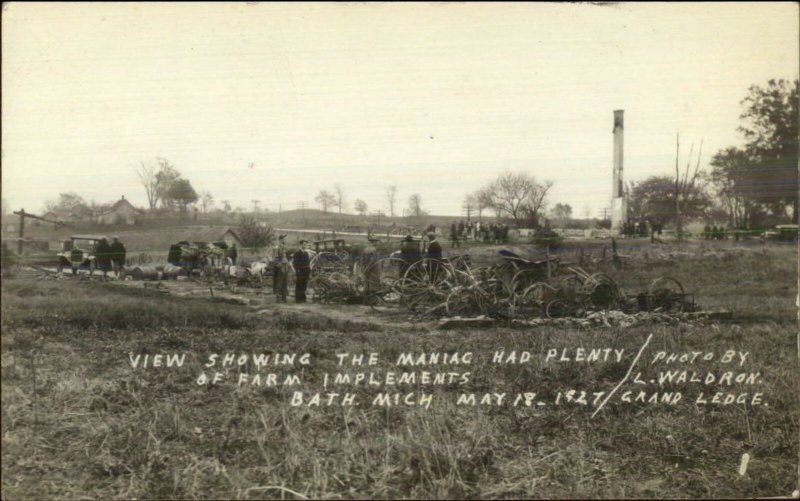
496 233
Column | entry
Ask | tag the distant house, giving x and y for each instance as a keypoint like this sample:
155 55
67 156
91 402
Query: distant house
208 234
122 212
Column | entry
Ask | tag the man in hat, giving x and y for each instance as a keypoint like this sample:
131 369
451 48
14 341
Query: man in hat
434 252
280 268
118 254
102 252
409 253
301 260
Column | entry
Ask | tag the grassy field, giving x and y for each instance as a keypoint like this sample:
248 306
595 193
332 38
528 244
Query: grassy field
80 422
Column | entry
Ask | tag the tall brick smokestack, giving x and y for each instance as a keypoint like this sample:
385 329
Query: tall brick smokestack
619 206
619 130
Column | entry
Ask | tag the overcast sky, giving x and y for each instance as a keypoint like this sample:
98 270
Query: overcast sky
437 99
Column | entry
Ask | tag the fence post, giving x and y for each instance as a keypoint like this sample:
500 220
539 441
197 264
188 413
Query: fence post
547 254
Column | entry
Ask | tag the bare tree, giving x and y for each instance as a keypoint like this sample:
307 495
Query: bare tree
325 200
515 195
226 205
339 194
684 186
206 200
391 194
147 176
361 207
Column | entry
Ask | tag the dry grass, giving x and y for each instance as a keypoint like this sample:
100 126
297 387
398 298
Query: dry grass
95 428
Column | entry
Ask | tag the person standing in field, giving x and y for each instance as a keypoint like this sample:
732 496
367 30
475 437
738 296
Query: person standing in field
118 254
454 235
301 261
280 269
233 253
409 253
102 254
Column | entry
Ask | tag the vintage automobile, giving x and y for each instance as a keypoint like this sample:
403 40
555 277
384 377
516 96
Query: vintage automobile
78 253
782 233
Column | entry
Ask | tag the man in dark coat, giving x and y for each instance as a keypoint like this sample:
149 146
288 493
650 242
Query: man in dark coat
280 268
102 253
434 251
118 254
409 253
301 260
233 253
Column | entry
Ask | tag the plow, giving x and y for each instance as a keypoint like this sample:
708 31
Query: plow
516 288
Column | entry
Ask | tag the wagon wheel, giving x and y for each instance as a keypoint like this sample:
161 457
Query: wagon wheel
426 283
525 278
570 287
319 287
561 308
603 293
666 293
383 278
326 262
533 300
458 302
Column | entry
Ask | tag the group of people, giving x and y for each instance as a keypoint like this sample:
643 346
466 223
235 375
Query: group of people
282 261
641 228
496 233
110 256
715 233
412 250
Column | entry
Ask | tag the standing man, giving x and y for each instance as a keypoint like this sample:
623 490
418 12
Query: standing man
118 254
102 254
280 268
409 253
454 235
233 253
434 251
301 260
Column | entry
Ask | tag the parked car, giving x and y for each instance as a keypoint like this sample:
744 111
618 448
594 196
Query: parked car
79 253
782 233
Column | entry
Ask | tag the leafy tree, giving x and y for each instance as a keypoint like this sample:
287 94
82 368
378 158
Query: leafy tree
415 206
361 207
325 200
561 211
654 200
730 178
166 176
67 203
254 234
771 130
182 193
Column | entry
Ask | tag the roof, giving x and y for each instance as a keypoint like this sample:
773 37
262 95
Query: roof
122 202
88 237
204 234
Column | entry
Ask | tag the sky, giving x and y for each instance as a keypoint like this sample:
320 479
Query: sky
275 102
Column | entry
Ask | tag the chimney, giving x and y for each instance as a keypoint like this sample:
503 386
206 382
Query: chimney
619 129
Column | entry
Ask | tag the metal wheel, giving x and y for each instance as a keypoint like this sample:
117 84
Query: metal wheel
561 308
533 300
666 294
603 293
426 283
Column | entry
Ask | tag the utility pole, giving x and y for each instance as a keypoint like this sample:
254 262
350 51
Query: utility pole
301 206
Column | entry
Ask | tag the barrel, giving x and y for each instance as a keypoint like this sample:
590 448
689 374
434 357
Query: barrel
145 273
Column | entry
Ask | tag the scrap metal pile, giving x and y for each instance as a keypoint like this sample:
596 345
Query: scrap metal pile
514 288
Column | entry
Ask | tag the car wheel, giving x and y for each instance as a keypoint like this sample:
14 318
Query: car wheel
74 270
